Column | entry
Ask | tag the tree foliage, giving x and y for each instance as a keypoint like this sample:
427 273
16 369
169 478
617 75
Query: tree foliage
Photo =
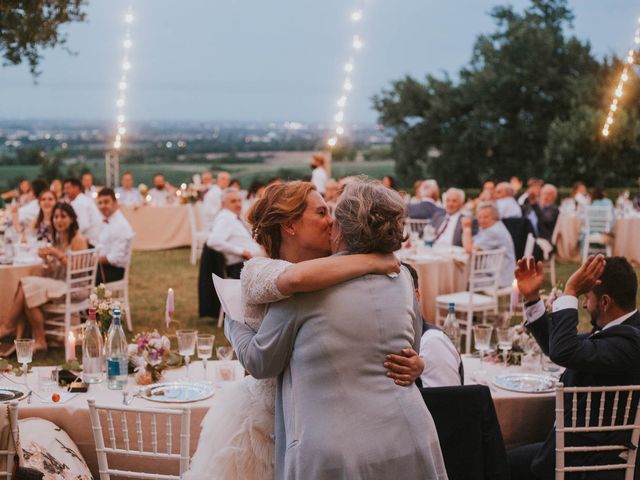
28 26
530 102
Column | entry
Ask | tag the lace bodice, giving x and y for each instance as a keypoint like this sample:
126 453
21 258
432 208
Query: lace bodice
259 288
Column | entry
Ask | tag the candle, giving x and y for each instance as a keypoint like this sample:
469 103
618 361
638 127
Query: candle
71 339
170 307
515 297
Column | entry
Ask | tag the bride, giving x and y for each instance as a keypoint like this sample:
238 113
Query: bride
292 223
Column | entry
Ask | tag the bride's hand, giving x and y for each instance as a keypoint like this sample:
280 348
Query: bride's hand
406 368
385 264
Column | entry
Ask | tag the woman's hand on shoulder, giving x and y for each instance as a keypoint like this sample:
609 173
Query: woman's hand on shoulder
405 369
385 263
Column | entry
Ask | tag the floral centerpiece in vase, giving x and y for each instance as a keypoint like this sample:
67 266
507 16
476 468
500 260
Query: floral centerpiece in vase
102 300
148 355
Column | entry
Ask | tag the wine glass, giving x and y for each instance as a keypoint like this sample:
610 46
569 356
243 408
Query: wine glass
505 341
482 340
205 349
187 345
224 353
24 352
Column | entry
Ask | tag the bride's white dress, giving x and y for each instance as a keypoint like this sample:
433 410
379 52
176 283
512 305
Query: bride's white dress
236 441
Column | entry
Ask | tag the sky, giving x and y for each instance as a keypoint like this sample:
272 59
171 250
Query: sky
264 60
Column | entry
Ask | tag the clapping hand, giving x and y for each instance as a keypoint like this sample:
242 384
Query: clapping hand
530 278
406 368
586 277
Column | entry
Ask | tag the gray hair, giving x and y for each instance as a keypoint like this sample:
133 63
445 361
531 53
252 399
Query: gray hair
549 186
228 191
456 191
494 209
370 217
507 188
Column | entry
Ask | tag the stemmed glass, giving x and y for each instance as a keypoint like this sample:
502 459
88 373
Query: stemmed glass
24 352
482 340
205 349
224 353
225 370
187 345
505 341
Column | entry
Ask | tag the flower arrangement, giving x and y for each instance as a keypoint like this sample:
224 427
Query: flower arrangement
148 354
102 300
189 194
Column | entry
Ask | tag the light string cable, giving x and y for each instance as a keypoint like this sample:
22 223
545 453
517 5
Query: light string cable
355 15
121 130
624 76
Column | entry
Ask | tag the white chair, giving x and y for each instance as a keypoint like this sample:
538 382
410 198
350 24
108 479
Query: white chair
598 223
120 288
144 421
415 226
614 414
80 279
198 236
10 451
482 295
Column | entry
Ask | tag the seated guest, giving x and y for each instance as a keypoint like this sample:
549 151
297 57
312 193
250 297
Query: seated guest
610 355
390 182
206 179
492 235
115 239
579 194
533 191
23 194
599 198
448 224
442 362
544 212
230 236
516 185
428 207
56 188
488 193
89 217
127 194
212 201
33 292
417 192
162 194
88 188
29 212
506 202
42 225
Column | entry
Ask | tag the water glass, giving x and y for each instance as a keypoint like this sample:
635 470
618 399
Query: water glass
187 345
24 353
224 353
205 349
482 341
505 341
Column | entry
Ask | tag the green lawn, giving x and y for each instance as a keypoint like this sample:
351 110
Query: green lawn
152 273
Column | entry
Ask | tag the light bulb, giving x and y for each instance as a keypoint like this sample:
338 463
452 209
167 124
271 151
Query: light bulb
347 85
630 59
348 67
332 141
356 16
609 120
128 17
619 92
625 77
357 43
120 118
122 85
122 130
126 65
120 102
339 117
340 130
614 108
116 145
127 43
342 101
605 133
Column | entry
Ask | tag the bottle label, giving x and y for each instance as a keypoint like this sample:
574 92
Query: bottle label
113 367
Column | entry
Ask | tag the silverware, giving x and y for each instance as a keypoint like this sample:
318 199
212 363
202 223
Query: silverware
128 398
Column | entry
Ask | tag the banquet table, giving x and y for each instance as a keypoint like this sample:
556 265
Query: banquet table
626 242
10 276
159 228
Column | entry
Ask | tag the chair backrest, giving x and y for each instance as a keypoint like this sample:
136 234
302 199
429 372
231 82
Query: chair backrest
192 219
8 451
529 246
598 410
598 219
414 225
484 273
82 267
134 439
127 265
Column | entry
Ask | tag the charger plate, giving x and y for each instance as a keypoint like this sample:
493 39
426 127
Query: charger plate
177 392
526 383
10 394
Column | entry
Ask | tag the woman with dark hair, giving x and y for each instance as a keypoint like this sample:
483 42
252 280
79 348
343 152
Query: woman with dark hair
33 292
42 225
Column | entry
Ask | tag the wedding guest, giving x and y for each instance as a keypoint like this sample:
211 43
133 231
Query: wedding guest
332 194
235 184
516 185
56 188
491 236
207 180
42 225
610 355
212 202
33 292
127 194
230 236
23 194
506 202
579 194
599 198
88 188
417 192
544 212
488 193
533 191
89 218
29 212
448 225
162 194
390 182
114 243
319 174
428 208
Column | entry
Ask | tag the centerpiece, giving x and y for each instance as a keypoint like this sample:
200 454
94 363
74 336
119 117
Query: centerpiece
148 355
102 300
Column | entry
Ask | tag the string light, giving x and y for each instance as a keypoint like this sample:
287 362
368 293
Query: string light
624 77
356 16
127 43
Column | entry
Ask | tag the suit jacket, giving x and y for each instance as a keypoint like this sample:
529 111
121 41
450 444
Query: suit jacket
547 218
457 234
423 210
605 358
334 402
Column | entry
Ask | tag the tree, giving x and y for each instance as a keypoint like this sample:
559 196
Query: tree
496 120
27 26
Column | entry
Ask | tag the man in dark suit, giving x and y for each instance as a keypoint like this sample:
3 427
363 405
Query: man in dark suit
609 355
543 212
448 224
427 208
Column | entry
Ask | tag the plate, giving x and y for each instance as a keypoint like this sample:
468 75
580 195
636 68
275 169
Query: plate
10 394
526 383
177 392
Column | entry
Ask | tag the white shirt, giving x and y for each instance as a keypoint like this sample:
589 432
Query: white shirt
129 196
115 239
441 360
89 217
161 198
319 179
446 238
230 236
211 205
29 212
509 208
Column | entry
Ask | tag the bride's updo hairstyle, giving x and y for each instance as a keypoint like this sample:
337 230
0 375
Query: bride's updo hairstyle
370 217
280 203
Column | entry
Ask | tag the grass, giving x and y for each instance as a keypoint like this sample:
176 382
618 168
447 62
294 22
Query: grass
152 273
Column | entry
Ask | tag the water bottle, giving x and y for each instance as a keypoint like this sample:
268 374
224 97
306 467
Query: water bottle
10 236
116 352
451 326
92 353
